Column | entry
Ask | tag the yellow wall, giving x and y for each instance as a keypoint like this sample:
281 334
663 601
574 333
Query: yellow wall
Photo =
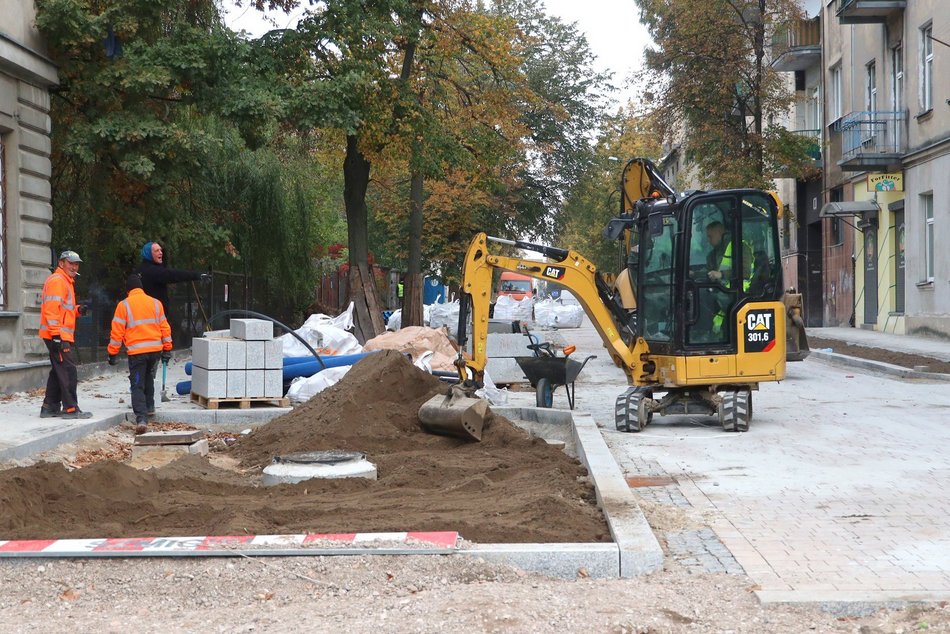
886 269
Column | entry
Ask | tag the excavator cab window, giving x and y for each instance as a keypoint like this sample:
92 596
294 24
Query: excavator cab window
656 317
712 286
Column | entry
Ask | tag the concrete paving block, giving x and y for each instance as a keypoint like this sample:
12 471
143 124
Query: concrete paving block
199 448
255 384
273 355
210 354
507 345
230 419
237 383
252 329
209 383
273 383
565 561
504 370
640 552
237 354
256 352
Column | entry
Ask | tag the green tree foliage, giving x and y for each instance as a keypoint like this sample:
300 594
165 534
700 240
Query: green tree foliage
715 88
595 197
163 120
504 114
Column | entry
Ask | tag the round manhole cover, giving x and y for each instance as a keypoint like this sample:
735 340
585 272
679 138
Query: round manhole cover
328 457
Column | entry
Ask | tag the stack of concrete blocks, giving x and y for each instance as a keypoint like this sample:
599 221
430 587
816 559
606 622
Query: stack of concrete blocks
247 363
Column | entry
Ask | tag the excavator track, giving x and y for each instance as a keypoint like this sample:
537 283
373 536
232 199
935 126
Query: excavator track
631 411
735 410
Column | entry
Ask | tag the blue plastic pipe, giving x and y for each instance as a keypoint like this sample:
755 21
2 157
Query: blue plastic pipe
287 361
298 368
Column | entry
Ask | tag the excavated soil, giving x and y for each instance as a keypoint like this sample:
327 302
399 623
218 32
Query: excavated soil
507 488
903 359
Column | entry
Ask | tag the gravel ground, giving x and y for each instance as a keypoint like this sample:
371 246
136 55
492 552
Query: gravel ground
396 594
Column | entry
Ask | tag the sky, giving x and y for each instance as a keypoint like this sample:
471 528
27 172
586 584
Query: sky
612 27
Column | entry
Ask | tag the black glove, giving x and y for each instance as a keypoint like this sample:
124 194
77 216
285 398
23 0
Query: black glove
113 359
82 309
166 355
57 344
205 277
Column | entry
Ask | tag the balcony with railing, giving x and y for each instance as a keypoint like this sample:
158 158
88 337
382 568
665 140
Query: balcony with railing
814 143
868 11
871 140
797 45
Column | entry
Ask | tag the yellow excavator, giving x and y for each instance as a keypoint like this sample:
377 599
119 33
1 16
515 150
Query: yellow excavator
695 317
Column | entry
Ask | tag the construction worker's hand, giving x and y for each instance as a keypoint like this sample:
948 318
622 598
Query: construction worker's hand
715 276
113 359
166 355
82 309
205 277
57 346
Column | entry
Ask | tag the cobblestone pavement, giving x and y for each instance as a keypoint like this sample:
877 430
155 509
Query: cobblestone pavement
837 493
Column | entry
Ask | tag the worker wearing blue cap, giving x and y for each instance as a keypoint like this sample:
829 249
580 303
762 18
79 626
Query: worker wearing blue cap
157 275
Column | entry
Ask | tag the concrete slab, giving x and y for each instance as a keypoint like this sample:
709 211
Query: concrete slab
640 552
567 561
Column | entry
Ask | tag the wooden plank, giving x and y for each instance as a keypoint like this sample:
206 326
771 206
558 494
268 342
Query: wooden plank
169 437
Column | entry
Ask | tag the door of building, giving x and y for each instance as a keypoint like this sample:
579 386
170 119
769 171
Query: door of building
870 275
899 262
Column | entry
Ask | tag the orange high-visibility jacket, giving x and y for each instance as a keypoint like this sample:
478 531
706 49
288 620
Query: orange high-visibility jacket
59 308
140 323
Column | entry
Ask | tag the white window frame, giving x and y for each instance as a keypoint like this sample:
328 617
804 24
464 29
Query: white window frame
927 213
926 68
870 93
835 98
897 90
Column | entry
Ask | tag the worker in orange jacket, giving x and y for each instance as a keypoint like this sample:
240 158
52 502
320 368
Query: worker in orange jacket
140 324
58 330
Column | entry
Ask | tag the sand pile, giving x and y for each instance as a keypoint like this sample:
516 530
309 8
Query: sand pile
507 488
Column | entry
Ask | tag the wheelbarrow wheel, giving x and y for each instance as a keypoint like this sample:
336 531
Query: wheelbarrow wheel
544 393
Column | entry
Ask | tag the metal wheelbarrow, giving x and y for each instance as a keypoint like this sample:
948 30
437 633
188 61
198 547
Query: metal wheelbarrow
547 372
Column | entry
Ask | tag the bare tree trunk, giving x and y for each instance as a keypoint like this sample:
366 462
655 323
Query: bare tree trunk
367 315
412 302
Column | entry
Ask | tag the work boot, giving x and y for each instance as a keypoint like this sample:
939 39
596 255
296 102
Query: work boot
77 413
141 425
49 412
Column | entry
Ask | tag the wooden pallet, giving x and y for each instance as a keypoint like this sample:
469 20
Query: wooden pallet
240 403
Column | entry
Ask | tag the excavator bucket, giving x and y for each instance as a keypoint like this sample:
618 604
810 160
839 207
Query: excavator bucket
455 414
796 342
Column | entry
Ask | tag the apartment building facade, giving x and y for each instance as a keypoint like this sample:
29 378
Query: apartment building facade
868 73
26 76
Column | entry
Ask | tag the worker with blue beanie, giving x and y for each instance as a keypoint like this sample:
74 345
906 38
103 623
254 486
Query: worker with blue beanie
157 275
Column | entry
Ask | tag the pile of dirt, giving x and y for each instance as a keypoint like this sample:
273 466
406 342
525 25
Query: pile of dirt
903 359
508 488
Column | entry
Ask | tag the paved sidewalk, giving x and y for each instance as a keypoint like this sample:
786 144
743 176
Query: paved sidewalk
836 495
106 396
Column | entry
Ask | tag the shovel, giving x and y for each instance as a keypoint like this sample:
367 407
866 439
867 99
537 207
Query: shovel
165 398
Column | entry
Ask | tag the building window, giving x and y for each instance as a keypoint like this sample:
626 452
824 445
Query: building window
834 99
926 68
837 235
897 89
897 79
786 228
870 97
3 224
927 206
